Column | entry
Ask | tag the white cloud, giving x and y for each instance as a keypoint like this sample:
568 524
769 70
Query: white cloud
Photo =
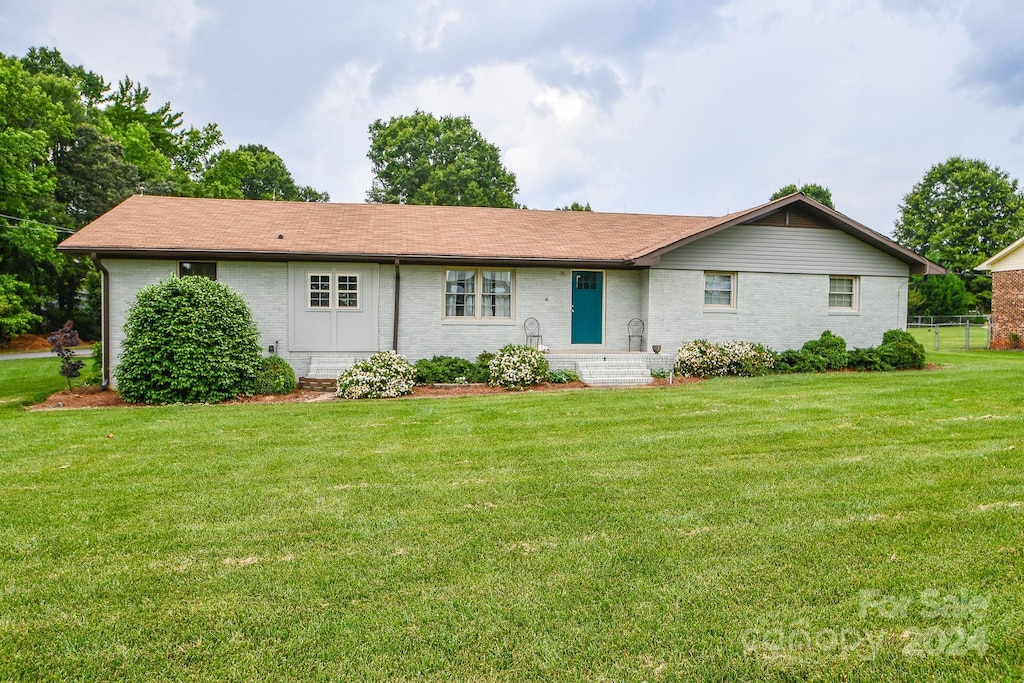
425 28
144 40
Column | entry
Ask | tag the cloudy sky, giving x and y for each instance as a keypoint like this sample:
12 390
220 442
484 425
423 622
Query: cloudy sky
681 107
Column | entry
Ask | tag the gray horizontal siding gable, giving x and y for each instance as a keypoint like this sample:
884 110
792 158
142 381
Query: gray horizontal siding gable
770 249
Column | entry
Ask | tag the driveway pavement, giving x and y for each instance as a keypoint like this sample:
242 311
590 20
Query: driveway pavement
38 354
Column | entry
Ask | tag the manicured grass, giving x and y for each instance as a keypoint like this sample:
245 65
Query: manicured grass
951 337
25 382
696 532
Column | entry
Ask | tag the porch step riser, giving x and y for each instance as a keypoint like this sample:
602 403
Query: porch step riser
318 384
616 382
616 372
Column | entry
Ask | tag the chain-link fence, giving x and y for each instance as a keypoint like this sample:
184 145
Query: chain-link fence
952 332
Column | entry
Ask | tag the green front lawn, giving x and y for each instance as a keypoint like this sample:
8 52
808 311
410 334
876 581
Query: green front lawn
825 527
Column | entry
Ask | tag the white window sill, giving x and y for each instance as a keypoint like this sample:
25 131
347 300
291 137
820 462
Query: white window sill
842 311
720 309
328 309
478 321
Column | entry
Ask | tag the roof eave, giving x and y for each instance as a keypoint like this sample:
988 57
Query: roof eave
254 255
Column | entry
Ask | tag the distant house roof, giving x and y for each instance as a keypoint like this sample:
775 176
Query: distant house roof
1013 255
184 227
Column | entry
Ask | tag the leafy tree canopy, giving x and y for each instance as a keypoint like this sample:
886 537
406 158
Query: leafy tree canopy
420 159
818 193
962 212
575 206
45 60
253 172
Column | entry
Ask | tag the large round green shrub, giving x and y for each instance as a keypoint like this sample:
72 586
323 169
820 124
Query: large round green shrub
188 340
275 376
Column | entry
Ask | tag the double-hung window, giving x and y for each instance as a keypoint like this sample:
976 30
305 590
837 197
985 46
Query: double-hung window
719 290
478 293
842 293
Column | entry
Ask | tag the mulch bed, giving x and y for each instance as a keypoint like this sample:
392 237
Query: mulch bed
92 397
25 343
28 342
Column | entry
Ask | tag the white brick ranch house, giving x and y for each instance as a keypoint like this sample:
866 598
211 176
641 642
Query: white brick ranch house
329 281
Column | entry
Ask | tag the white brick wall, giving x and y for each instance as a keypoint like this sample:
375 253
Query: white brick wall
541 293
127 277
779 310
265 288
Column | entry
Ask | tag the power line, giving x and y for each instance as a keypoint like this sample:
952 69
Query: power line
33 227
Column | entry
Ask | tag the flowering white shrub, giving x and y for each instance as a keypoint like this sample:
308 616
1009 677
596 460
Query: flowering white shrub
702 358
383 375
515 366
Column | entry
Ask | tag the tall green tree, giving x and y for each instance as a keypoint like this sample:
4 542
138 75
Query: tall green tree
254 172
962 212
92 88
31 126
127 106
938 295
818 193
420 159
575 206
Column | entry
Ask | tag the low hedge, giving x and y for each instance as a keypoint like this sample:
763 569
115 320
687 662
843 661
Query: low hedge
701 358
452 370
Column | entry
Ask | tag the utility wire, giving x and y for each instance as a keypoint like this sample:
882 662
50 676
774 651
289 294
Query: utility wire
40 223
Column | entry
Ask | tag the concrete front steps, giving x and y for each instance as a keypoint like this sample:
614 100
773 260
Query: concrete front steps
613 371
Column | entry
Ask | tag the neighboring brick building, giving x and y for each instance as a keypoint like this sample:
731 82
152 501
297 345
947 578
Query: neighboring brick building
1007 269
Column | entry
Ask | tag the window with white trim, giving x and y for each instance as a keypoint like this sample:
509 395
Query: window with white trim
348 291
720 290
842 292
478 293
327 290
319 290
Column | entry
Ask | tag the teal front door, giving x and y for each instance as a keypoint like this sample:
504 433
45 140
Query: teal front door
587 307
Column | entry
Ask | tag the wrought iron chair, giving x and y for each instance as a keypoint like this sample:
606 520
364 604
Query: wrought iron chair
635 330
533 336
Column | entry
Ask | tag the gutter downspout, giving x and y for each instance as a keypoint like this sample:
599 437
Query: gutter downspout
104 321
398 291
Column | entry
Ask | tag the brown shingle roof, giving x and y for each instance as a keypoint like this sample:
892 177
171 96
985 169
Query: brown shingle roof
180 224
229 227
